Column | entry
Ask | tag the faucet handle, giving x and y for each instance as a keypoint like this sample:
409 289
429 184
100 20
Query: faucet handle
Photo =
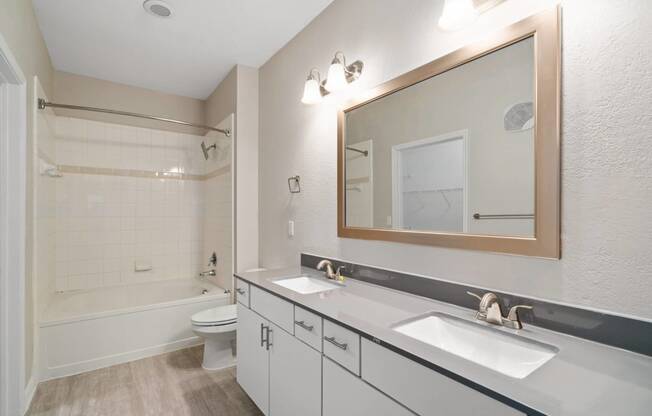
513 312
475 295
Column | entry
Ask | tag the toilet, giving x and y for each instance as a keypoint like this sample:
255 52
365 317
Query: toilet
217 326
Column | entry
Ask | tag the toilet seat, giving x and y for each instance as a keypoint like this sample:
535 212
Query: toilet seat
220 316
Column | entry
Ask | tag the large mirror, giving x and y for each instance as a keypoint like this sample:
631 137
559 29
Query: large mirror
462 152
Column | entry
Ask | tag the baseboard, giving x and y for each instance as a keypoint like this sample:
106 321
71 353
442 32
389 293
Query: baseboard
84 366
30 389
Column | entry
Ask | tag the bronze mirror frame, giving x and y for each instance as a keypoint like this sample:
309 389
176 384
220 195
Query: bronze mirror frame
544 27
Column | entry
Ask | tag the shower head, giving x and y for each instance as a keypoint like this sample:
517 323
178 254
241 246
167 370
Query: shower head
205 149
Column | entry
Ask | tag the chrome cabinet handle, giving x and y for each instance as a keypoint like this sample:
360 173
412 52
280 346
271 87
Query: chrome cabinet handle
262 330
240 291
342 346
303 325
268 344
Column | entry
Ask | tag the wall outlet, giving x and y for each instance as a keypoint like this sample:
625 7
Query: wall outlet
290 228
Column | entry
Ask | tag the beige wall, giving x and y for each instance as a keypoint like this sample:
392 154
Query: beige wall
80 90
222 101
606 186
20 31
247 164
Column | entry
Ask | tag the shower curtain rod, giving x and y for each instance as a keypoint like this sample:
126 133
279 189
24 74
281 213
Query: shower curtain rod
42 104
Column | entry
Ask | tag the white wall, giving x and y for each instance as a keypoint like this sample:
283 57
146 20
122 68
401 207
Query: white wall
606 189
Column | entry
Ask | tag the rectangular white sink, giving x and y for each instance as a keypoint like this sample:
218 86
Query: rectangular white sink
306 285
509 354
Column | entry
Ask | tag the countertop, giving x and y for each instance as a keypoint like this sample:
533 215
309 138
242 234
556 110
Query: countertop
584 378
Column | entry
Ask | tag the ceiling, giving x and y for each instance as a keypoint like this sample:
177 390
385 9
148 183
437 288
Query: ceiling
188 54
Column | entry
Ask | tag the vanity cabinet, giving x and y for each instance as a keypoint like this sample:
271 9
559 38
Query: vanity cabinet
423 390
346 394
253 357
294 376
291 361
280 373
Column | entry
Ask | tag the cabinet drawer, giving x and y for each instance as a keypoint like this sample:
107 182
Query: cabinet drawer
342 345
242 292
347 395
273 308
423 390
307 327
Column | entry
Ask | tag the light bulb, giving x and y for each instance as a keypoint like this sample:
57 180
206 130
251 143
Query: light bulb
336 80
311 89
457 14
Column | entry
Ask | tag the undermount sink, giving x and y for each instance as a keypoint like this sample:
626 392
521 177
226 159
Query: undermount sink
306 285
509 354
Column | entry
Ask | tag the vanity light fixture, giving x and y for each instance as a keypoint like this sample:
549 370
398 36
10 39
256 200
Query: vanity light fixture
457 14
312 90
340 75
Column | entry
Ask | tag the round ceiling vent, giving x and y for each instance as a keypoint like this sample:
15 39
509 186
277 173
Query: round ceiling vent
157 8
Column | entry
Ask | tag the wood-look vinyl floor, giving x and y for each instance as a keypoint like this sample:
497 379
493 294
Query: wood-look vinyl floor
172 384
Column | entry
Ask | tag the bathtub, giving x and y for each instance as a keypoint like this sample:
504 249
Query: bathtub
86 330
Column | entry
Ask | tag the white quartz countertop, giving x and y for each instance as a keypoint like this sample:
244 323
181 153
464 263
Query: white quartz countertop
584 378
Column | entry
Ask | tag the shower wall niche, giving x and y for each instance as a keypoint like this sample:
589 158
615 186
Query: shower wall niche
136 205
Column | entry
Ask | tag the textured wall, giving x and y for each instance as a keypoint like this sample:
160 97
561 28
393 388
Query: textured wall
20 31
93 92
607 163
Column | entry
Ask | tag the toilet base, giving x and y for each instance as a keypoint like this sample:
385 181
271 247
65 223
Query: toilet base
219 346
218 354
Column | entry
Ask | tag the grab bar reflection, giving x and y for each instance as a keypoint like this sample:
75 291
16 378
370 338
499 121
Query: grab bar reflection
477 216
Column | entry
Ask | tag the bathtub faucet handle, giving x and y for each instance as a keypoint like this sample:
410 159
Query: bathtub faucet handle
212 260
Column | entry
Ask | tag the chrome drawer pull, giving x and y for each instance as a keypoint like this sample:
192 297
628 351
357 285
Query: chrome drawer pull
262 331
240 291
342 346
269 344
303 325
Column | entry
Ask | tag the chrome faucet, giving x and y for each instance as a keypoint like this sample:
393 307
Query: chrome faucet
489 311
327 266
208 273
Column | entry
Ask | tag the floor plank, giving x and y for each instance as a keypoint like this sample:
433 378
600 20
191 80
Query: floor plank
172 384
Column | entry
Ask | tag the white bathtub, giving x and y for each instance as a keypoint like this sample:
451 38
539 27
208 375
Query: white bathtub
86 330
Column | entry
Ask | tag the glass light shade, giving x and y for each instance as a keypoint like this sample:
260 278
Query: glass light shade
336 80
457 14
311 92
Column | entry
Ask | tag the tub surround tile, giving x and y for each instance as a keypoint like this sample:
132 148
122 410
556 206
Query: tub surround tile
134 194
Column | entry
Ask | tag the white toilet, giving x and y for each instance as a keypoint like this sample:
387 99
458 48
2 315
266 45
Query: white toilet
217 326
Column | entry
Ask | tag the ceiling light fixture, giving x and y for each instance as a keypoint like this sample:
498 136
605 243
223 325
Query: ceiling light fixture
157 8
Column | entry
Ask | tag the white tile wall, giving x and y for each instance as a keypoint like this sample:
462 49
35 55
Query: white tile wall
106 224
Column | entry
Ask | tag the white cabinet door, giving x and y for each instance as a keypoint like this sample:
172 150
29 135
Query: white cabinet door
346 394
294 376
253 359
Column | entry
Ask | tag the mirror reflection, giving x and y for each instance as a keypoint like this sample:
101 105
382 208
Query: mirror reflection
453 153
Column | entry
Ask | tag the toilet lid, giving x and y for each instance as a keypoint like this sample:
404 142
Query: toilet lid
221 315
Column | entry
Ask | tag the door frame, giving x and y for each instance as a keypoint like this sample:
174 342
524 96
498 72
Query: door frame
397 184
13 169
